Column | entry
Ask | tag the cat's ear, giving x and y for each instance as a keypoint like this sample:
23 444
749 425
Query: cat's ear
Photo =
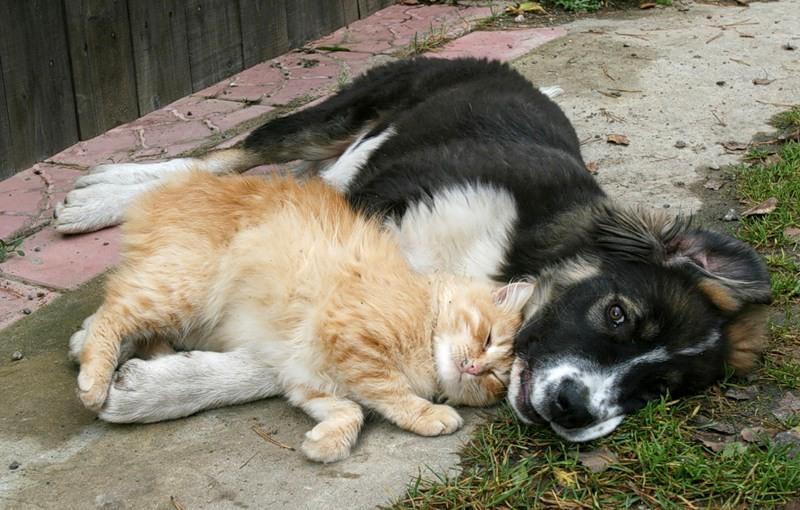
514 296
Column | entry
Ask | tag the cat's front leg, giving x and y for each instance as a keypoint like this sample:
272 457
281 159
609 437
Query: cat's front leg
392 396
340 421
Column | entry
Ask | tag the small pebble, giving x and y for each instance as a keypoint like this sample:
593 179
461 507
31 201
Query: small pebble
36 248
14 465
721 83
731 215
789 47
680 144
27 311
37 172
40 293
105 243
16 356
30 297
520 18
713 167
665 206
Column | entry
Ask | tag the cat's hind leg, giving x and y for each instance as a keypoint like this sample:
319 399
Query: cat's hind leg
181 384
340 421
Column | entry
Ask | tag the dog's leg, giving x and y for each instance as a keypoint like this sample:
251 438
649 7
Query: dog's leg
177 385
101 197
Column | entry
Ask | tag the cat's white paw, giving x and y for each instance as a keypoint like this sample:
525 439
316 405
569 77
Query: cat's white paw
326 444
77 340
437 420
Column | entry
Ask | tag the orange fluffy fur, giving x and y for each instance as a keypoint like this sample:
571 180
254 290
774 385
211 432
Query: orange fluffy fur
289 271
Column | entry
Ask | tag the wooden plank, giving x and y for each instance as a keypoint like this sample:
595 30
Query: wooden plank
367 7
39 101
264 30
350 8
160 52
309 19
102 64
5 131
215 40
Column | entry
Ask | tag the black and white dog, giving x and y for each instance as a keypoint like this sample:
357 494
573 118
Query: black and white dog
478 172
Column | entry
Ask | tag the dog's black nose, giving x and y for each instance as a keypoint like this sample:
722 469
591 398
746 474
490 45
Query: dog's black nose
569 407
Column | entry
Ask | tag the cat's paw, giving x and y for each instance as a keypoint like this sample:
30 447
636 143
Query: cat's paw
326 444
437 420
92 388
77 340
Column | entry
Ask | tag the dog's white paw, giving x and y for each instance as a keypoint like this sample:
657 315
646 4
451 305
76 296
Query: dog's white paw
129 395
94 207
101 196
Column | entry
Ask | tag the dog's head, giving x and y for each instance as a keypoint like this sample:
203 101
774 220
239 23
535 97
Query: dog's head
652 307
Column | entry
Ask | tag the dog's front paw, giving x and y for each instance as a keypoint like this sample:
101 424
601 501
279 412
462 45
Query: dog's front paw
437 420
128 395
326 444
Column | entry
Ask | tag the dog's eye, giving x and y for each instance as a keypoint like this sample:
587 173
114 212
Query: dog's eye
616 315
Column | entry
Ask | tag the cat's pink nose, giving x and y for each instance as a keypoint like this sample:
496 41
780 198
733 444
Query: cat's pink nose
473 369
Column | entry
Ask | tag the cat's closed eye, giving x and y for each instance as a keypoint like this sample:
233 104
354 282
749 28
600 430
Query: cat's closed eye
488 341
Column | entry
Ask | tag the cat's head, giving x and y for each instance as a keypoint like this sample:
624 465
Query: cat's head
473 339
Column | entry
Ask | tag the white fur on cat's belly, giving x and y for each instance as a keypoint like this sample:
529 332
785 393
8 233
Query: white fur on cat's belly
340 174
178 385
462 230
101 196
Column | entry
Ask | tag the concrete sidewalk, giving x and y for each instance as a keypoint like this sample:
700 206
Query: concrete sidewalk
676 83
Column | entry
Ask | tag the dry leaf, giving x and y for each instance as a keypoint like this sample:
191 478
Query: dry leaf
715 443
647 5
762 81
787 407
598 461
792 234
524 8
758 435
734 146
618 139
714 184
747 393
565 478
765 207
592 167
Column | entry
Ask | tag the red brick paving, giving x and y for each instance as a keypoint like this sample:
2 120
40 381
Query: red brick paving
216 116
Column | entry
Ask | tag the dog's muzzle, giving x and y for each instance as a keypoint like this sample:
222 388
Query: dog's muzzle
564 403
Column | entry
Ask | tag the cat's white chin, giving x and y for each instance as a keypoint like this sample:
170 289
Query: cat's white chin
450 377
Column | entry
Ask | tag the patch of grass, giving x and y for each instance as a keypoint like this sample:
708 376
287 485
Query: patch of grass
8 248
660 465
576 5
422 43
787 120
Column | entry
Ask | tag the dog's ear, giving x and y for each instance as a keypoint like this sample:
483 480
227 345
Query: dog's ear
732 274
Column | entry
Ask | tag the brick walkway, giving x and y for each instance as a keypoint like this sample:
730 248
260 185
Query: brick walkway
216 117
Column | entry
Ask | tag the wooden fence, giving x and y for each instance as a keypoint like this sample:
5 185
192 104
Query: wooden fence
71 69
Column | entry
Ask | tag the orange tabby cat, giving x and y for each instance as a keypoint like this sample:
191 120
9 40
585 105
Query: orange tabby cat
290 273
